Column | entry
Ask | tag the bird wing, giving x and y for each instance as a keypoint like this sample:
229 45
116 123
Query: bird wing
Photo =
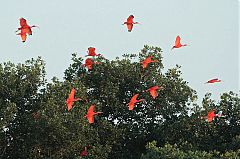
154 88
153 93
130 27
72 94
91 109
130 106
23 36
90 114
210 116
177 41
130 19
134 98
23 22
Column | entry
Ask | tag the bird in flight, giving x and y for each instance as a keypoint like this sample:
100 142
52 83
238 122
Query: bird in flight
178 43
24 29
133 101
91 113
153 91
91 52
213 80
130 23
88 63
71 99
211 115
147 61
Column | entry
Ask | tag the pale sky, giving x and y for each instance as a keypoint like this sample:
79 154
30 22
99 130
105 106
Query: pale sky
210 27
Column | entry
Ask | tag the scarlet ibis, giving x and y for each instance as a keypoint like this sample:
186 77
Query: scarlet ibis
153 91
88 63
178 43
211 115
71 99
91 52
84 152
91 113
133 101
213 80
147 61
130 23
24 29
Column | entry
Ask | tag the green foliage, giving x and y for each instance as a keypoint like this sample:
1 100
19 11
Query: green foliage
35 122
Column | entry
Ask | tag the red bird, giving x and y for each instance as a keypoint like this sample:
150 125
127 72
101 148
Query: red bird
213 80
24 29
178 43
91 113
130 23
84 152
211 115
133 101
147 61
153 91
71 99
88 63
91 52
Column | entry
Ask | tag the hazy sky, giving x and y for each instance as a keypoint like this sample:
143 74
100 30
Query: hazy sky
210 27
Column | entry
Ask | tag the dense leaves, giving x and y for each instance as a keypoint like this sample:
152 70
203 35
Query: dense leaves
35 121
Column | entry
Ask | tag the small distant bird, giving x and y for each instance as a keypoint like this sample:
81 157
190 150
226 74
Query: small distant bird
211 115
91 52
84 152
130 23
178 43
133 101
71 99
24 29
147 61
91 113
153 91
213 80
88 63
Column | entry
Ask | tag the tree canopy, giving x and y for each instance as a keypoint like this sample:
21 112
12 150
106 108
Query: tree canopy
35 121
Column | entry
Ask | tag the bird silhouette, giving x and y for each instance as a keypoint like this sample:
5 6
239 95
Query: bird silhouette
91 52
153 91
178 43
91 113
71 99
24 29
89 63
133 101
213 80
147 61
130 23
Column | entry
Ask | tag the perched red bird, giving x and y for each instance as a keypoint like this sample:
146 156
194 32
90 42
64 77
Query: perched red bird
213 80
133 101
178 43
153 91
147 61
24 29
91 113
88 63
130 23
71 99
91 52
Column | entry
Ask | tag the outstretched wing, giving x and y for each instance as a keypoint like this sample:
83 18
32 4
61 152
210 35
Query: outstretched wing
130 19
23 22
23 36
130 27
177 41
